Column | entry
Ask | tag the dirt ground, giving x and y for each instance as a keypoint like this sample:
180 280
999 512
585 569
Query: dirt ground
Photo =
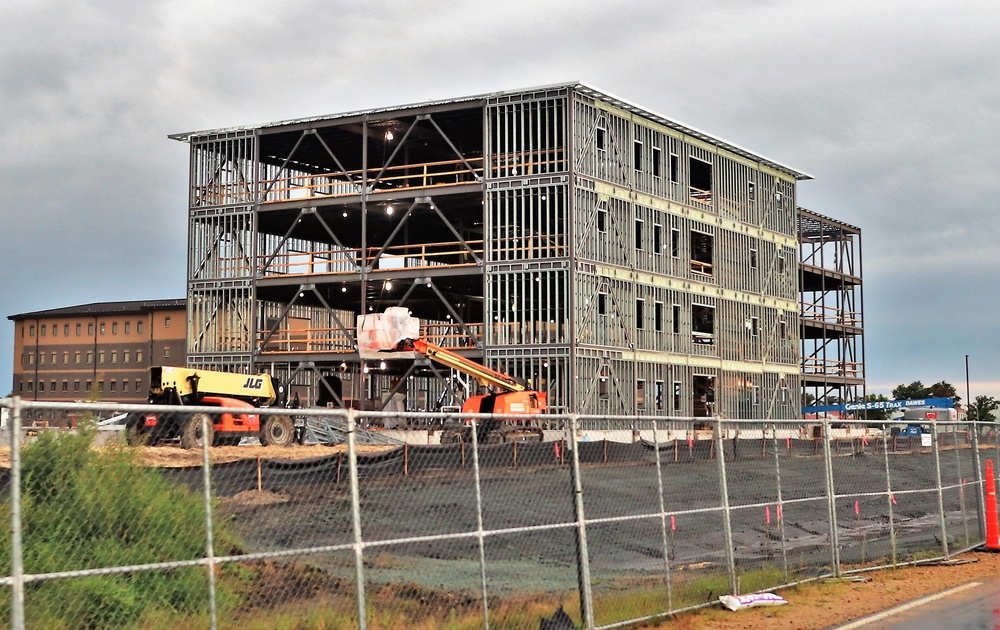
177 457
828 604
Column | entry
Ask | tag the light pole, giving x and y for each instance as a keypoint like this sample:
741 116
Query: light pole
968 396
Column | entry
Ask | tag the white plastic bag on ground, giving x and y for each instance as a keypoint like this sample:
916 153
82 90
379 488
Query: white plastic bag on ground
736 602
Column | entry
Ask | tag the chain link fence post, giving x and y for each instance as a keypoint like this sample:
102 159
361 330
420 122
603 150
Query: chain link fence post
936 447
980 486
781 501
663 516
889 498
16 541
727 522
961 484
479 524
831 498
359 553
206 482
582 552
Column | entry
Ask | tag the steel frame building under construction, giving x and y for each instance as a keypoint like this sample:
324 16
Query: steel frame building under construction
620 261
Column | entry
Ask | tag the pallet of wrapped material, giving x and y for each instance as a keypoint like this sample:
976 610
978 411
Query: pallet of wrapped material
379 333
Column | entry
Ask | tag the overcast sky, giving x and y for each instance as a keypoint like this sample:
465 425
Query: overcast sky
893 107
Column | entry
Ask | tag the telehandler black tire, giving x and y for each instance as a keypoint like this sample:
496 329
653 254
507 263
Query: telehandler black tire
277 431
191 434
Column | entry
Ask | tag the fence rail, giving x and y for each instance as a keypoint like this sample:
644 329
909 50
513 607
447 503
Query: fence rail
616 520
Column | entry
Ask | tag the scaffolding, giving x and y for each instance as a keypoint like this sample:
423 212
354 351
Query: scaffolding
620 261
831 310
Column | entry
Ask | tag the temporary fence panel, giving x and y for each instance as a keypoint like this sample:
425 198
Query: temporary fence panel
614 520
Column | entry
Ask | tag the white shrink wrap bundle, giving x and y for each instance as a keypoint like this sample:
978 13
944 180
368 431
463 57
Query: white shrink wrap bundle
378 332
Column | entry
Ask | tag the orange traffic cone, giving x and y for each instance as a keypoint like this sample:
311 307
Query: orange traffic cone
992 523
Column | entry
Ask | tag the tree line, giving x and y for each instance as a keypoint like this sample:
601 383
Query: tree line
980 409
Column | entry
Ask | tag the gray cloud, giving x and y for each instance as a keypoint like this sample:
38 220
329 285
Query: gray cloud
893 106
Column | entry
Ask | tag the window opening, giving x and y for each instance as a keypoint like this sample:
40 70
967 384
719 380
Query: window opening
701 180
602 220
638 156
639 313
701 253
677 318
657 239
639 235
658 316
753 258
658 395
656 161
704 396
601 139
640 394
703 324
675 163
675 243
677 395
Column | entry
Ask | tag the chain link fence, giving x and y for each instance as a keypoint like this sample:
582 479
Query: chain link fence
612 521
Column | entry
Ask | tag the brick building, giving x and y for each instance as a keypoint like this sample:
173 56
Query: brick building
101 350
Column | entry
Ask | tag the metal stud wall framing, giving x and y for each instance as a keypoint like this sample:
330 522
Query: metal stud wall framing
663 243
221 251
